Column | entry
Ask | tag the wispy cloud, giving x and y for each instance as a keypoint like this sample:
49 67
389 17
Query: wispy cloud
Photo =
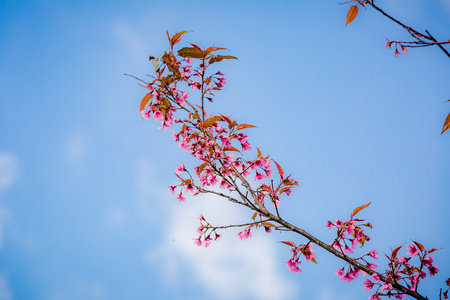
5 290
75 147
229 268
9 170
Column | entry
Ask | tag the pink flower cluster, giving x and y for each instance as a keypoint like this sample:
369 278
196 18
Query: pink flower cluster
297 251
401 270
349 233
206 232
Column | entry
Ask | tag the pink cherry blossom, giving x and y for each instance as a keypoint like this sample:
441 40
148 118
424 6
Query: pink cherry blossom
373 254
180 197
180 169
198 242
386 286
368 285
145 114
245 234
293 266
172 189
376 277
412 250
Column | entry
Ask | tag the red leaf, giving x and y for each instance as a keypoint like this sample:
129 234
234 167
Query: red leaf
280 170
358 209
446 124
351 15
432 250
394 253
243 126
145 101
226 119
289 244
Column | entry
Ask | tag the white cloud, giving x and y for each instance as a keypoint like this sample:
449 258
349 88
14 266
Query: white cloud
5 290
446 4
9 169
116 216
229 268
75 148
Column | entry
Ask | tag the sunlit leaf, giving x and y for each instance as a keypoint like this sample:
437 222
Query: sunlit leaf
155 62
446 124
313 259
189 52
243 126
212 120
258 152
269 224
358 209
145 101
254 216
351 15
212 49
217 58
231 149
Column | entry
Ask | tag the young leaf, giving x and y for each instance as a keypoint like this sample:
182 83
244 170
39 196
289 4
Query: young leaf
189 52
394 253
212 120
358 209
269 224
145 101
313 259
420 246
217 58
289 244
351 15
446 124
258 152
230 149
280 170
432 250
155 62
176 37
243 126
254 216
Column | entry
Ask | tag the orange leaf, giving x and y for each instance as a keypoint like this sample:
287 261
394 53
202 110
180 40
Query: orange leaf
421 247
313 260
289 244
358 209
269 224
145 100
351 15
189 52
280 170
254 216
258 152
243 126
226 119
212 120
176 37
446 124
230 149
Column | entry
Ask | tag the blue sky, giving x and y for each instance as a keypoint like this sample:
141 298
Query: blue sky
85 212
